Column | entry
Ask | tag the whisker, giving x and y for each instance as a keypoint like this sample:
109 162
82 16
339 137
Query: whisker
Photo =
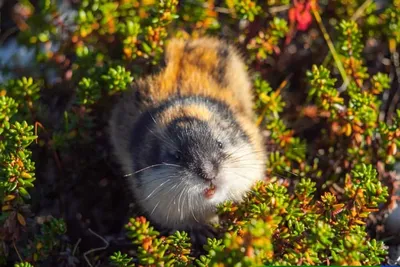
292 173
230 155
243 160
155 207
180 210
160 187
156 189
239 156
278 176
170 164
245 163
151 115
161 137
152 166
155 180
243 166
173 200
239 147
190 198
161 176
244 177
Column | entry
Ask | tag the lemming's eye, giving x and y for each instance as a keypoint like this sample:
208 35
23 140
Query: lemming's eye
175 155
219 144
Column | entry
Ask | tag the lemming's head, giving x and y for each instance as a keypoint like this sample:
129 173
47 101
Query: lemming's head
188 156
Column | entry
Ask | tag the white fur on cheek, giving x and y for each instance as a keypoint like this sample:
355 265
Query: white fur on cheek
239 173
170 199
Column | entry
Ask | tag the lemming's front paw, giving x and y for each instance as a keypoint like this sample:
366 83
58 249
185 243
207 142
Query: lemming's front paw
199 235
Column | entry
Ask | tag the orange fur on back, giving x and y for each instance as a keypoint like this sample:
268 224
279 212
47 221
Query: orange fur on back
206 67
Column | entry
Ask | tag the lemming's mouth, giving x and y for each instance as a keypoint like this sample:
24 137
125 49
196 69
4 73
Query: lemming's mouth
209 192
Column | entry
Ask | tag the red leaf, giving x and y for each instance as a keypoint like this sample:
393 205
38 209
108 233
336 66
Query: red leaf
302 14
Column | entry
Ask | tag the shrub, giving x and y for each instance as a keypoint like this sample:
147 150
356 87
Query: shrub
328 165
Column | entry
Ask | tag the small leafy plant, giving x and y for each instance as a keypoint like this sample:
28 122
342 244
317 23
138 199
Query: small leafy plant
325 81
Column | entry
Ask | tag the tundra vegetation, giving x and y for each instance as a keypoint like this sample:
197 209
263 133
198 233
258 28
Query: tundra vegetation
326 80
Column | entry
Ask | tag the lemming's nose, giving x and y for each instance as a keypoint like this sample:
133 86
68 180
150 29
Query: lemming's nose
209 170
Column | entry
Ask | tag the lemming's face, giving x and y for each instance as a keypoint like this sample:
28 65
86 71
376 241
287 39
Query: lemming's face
196 165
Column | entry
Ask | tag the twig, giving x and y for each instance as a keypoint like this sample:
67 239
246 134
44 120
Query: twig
356 15
222 10
272 10
338 188
360 10
16 250
395 58
331 46
95 249
277 9
8 33
76 246
55 155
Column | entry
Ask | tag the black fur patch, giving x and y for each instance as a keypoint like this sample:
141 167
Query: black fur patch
142 135
223 57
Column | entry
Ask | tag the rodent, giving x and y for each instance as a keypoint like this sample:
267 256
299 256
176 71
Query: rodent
186 137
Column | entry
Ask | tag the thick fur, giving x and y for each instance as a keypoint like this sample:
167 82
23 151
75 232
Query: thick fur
190 126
